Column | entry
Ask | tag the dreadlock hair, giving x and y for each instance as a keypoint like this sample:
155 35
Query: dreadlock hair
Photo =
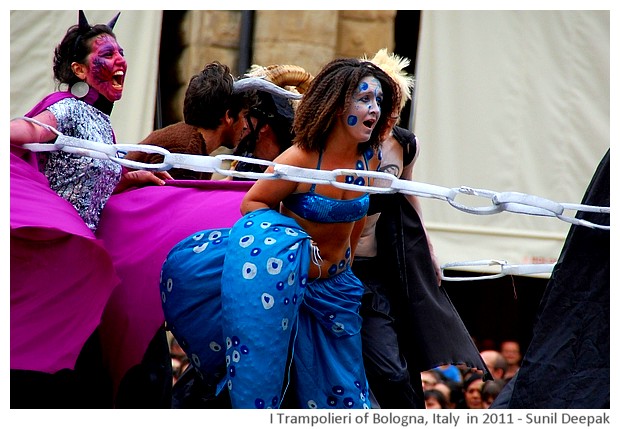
75 46
330 94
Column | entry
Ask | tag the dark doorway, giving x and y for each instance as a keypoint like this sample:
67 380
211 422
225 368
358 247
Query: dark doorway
169 56
498 309
406 30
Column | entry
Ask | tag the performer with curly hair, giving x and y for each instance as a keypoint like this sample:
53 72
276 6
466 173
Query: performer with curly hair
286 278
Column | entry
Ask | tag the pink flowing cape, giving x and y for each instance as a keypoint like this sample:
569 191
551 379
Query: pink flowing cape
65 281
139 227
61 275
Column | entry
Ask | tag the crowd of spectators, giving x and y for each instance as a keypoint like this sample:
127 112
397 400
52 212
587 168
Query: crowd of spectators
451 386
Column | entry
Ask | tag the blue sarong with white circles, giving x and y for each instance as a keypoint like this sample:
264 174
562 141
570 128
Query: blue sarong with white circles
234 297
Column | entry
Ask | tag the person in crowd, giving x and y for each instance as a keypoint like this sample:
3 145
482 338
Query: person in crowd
448 389
61 277
495 362
429 378
434 399
402 293
472 392
300 239
511 351
490 391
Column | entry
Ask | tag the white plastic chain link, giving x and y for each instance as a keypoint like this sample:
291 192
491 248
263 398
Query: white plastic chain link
505 268
514 202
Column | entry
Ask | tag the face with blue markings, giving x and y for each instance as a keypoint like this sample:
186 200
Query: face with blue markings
365 108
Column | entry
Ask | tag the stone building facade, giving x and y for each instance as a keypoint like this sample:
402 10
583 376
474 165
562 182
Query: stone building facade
305 38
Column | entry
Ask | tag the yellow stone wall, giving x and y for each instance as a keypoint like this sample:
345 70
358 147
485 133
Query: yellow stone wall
305 38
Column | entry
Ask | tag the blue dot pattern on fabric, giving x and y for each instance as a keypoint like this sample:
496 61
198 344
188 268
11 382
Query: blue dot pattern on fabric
264 276
233 310
330 350
190 287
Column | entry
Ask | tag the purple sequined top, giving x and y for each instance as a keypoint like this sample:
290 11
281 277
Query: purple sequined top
85 182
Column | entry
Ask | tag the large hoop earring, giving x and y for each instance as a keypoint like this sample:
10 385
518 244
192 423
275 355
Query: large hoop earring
80 89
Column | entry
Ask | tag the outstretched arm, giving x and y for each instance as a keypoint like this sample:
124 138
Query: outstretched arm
23 131
269 193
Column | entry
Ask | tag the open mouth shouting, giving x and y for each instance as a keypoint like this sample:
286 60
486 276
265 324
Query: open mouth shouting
118 79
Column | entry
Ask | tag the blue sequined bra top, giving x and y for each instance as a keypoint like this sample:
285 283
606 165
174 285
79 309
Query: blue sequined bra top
319 208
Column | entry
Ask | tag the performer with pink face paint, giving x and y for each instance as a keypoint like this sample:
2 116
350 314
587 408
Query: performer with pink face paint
61 275
90 61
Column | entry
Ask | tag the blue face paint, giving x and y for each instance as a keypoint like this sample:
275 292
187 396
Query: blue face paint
365 105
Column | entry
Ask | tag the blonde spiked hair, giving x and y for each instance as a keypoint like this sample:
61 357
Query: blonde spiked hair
394 66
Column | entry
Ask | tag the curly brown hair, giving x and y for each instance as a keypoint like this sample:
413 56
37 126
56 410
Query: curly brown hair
331 92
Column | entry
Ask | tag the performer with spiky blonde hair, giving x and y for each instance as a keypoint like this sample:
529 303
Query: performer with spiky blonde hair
409 324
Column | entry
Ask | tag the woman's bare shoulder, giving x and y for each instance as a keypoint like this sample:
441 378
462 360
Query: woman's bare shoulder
297 157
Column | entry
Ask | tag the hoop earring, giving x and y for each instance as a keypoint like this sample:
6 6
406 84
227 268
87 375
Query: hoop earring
80 89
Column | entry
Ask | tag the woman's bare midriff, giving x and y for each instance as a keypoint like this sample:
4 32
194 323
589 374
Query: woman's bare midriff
332 241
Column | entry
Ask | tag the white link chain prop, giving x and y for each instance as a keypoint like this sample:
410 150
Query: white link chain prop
505 268
514 202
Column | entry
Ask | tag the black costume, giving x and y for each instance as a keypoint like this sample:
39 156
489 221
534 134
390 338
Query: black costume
407 316
567 363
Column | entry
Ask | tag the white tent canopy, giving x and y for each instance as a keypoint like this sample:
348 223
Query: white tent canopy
510 101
